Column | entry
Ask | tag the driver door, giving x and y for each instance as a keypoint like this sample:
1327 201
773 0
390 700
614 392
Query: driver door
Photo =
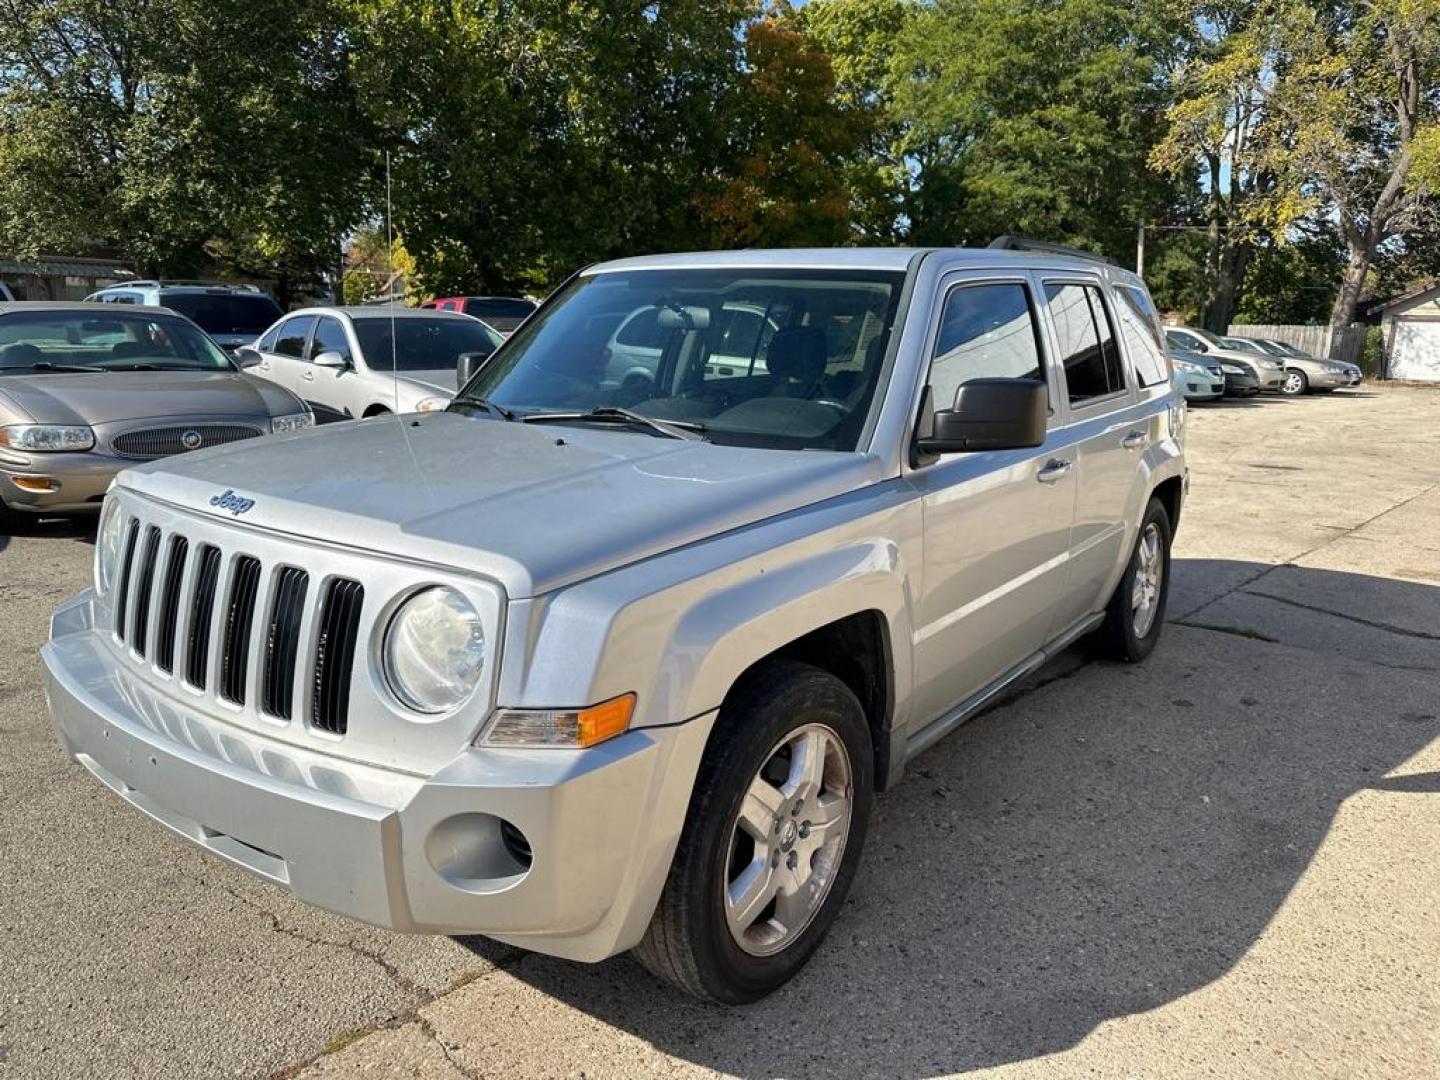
330 390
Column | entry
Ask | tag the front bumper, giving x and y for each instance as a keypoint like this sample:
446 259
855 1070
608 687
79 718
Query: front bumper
1241 385
1272 379
74 481
1332 380
410 853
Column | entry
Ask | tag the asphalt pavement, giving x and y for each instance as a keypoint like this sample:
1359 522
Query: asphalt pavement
1221 862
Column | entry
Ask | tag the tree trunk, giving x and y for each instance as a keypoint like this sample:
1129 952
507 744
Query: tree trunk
1226 283
1348 298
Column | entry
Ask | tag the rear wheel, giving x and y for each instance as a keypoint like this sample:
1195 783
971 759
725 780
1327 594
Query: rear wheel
772 838
1295 383
1136 613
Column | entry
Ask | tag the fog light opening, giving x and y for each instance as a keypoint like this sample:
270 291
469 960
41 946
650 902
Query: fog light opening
516 843
477 852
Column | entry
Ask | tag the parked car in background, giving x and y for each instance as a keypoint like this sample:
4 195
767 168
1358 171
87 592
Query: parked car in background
504 313
589 668
362 361
1269 371
1198 378
86 392
231 314
1305 373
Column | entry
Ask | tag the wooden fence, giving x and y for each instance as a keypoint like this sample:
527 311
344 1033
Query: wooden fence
1347 344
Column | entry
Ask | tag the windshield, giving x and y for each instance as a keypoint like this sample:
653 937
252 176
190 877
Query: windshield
421 343
1242 344
777 358
113 341
225 313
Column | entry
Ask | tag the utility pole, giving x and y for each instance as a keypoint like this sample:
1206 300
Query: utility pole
1140 251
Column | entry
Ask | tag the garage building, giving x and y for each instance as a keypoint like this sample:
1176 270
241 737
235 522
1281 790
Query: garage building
1411 327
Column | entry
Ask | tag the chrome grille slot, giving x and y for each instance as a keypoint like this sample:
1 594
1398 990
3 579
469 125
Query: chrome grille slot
282 642
239 616
202 610
170 603
122 594
335 655
144 586
177 439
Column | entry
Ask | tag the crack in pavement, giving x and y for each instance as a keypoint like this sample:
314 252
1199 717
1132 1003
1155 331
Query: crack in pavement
1390 628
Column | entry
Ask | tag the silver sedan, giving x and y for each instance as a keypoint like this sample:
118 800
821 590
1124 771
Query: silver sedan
85 393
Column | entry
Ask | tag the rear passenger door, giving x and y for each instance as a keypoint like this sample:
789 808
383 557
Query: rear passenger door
996 523
1103 436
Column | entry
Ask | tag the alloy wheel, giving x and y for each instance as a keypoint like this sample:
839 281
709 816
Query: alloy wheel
1145 588
788 841
1294 383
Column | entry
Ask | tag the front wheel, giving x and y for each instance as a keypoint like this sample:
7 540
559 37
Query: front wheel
1136 612
1295 383
772 838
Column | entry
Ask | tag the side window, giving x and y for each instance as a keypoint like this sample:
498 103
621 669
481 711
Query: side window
1087 342
121 298
329 337
986 332
293 333
267 343
1140 326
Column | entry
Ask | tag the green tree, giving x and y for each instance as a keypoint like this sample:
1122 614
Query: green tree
1294 281
1353 130
183 134
528 139
1033 117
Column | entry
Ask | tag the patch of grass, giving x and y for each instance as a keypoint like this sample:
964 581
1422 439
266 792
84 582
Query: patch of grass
1238 631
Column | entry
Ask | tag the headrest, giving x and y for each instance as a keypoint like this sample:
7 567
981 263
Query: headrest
20 354
797 353
124 350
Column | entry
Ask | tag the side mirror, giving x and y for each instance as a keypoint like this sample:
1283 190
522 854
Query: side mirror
468 363
247 357
990 414
330 359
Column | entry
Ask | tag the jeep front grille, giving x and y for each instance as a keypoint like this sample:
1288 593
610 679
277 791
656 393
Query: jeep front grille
230 624
335 652
162 442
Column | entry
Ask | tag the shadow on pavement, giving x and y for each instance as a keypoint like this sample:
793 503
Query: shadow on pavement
1109 842
73 527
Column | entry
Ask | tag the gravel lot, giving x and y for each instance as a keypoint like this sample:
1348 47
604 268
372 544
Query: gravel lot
1221 862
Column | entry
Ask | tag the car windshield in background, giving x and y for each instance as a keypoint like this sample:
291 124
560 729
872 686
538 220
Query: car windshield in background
225 313
420 343
499 312
764 357
33 341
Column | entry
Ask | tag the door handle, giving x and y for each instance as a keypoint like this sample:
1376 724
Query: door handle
1053 470
1134 440
308 376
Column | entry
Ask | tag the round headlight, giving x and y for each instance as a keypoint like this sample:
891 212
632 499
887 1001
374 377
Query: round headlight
434 650
108 542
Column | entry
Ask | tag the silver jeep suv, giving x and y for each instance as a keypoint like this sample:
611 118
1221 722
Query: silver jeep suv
588 663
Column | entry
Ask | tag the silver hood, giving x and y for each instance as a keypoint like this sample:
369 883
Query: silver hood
73 398
436 380
533 507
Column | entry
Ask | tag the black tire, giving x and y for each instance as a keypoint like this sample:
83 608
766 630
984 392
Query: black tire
1117 638
1300 385
689 942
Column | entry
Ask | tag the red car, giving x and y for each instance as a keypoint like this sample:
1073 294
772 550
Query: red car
504 313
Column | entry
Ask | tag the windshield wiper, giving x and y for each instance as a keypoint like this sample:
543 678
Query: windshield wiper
46 365
611 414
489 406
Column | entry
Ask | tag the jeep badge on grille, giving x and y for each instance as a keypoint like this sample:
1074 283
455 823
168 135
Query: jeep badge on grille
228 500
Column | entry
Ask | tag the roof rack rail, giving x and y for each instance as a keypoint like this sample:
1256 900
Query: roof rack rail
158 283
1011 242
